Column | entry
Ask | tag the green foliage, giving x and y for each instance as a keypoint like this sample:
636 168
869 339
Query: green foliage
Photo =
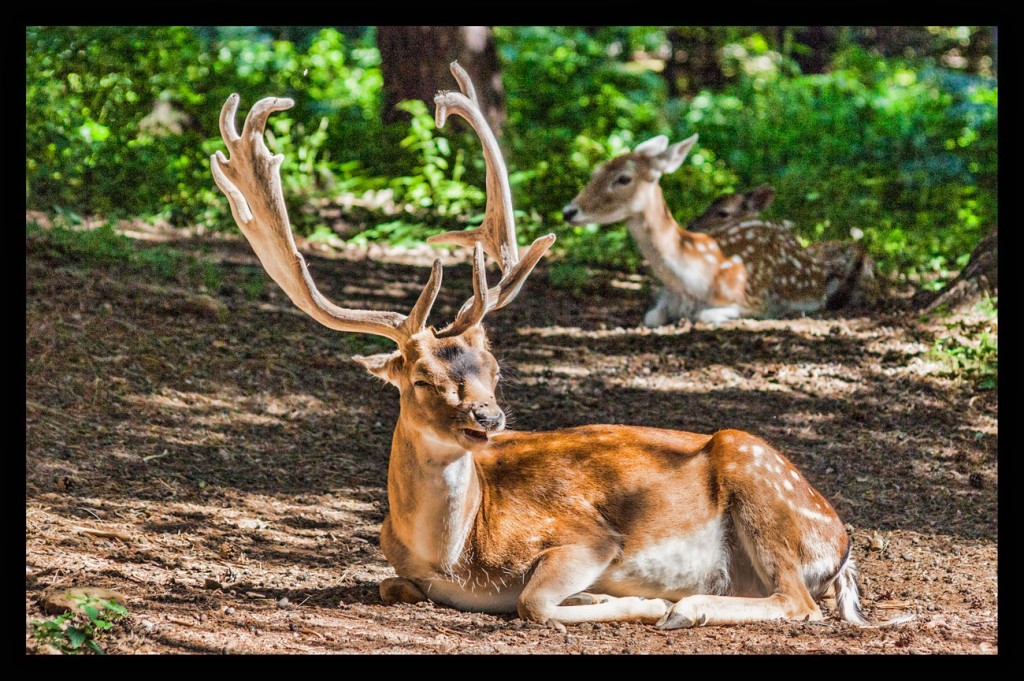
436 182
121 122
574 101
906 155
970 349
73 633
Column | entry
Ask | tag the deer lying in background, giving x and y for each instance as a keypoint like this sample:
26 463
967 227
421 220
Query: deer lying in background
595 523
849 270
737 272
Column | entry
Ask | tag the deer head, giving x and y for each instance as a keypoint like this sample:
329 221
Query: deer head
733 209
446 377
621 187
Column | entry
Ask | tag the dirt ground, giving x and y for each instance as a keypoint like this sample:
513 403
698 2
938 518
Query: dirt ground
241 456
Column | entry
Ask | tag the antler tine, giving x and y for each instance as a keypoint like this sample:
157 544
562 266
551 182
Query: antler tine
251 180
465 84
474 309
497 233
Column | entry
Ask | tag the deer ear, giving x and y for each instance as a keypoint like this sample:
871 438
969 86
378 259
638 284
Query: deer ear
652 147
759 198
670 159
384 366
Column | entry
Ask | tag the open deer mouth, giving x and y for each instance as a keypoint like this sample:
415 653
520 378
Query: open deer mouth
474 435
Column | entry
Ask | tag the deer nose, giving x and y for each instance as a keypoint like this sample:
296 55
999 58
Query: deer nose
569 212
490 417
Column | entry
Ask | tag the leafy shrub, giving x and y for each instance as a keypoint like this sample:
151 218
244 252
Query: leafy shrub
74 633
121 122
905 155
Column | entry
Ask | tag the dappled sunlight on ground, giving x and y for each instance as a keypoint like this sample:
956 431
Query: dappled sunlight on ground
242 455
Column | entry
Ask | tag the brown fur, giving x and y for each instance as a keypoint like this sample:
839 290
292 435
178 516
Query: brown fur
757 268
848 271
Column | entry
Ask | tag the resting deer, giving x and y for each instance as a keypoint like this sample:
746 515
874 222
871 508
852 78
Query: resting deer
850 272
742 272
595 523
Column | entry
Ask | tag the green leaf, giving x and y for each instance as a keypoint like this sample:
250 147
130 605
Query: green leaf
114 606
76 636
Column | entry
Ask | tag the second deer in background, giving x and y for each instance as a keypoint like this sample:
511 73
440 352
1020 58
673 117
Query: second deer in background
850 271
739 271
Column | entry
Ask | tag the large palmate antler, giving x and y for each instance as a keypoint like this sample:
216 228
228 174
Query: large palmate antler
251 180
497 235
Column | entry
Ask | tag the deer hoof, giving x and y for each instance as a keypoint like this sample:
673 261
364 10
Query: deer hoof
397 590
678 618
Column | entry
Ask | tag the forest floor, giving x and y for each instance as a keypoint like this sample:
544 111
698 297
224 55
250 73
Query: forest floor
217 458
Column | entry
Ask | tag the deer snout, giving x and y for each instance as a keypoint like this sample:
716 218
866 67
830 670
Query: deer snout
488 416
569 212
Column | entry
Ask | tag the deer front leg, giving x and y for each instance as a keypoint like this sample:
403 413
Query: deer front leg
562 573
666 311
791 601
398 590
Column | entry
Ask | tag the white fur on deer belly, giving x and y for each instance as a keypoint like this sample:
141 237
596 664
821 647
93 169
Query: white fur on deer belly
672 568
479 595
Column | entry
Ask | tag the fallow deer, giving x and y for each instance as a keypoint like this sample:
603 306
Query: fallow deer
593 523
850 271
741 272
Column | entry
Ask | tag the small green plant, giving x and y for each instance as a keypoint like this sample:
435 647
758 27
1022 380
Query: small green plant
254 286
396 232
73 633
569 275
972 352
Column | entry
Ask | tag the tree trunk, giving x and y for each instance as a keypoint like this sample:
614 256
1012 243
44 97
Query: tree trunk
821 43
979 277
414 65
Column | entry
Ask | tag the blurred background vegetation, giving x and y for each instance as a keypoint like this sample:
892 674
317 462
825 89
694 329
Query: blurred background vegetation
889 133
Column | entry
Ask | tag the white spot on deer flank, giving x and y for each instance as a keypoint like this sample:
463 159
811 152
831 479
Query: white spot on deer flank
813 515
788 485
702 247
758 450
726 264
795 475
744 448
710 258
737 259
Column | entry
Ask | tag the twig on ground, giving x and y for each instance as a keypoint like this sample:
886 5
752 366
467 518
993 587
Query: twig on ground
104 534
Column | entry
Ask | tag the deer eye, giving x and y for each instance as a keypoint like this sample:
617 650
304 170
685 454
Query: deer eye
623 179
422 384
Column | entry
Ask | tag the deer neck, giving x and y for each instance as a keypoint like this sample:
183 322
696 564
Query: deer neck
434 494
663 244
